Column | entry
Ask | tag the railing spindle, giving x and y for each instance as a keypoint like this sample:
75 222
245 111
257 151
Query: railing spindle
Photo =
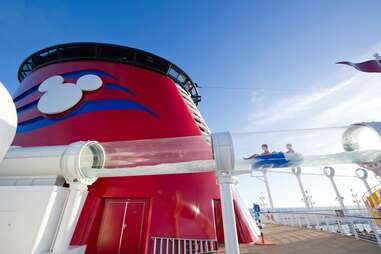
154 245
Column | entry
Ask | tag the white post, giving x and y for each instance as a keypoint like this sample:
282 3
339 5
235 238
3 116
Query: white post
223 152
228 215
326 224
73 208
340 227
297 171
264 171
293 219
307 220
362 174
330 172
317 226
299 222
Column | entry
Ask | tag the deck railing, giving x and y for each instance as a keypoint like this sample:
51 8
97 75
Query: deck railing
338 222
167 245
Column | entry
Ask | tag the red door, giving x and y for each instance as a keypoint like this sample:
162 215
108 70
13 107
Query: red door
122 227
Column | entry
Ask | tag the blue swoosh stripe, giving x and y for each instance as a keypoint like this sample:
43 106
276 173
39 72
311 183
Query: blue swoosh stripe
91 106
77 74
26 107
119 87
26 93
74 74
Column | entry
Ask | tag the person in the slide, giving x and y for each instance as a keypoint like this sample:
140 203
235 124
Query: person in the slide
265 150
290 149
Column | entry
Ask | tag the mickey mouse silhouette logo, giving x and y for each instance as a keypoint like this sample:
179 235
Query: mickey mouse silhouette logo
59 96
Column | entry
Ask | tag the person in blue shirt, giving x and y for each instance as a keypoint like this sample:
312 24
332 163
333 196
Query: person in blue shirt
265 151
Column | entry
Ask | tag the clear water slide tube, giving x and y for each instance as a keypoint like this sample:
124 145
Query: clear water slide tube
155 157
357 144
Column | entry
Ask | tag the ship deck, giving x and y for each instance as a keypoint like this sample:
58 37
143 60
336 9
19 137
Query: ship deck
286 239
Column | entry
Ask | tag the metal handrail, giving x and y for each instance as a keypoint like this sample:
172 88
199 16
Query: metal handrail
323 214
169 245
331 222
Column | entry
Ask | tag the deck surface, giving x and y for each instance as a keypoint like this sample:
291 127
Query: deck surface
307 241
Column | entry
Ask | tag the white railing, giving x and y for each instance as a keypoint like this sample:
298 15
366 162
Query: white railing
335 222
167 245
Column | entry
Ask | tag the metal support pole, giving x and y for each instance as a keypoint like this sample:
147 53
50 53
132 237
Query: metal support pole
307 220
340 227
363 175
297 171
228 215
70 216
223 152
330 172
327 224
293 220
299 223
264 171
317 226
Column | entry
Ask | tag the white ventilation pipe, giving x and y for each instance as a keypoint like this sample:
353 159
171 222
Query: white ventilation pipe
68 161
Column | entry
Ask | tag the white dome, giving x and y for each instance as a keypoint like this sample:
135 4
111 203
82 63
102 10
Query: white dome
8 120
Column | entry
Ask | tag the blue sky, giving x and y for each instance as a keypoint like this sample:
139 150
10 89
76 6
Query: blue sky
284 50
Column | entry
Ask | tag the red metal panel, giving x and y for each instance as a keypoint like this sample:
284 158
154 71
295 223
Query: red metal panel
218 220
88 217
243 232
